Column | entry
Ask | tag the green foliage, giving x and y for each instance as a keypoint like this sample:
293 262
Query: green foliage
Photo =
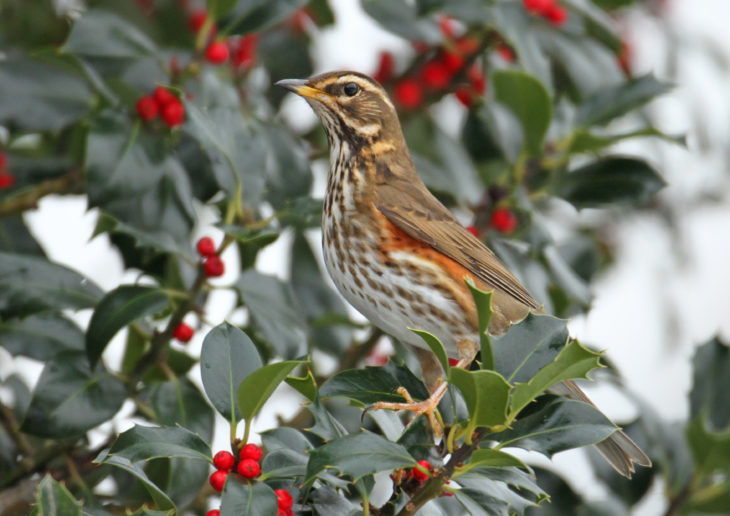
543 130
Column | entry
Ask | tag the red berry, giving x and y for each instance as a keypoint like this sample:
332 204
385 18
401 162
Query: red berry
556 15
284 499
453 361
197 19
506 53
464 95
244 53
3 161
435 75
217 52
284 512
418 474
452 61
6 180
473 231
249 468
173 113
147 107
409 93
504 220
213 512
386 67
224 460
163 96
183 333
218 479
538 6
206 247
251 451
214 267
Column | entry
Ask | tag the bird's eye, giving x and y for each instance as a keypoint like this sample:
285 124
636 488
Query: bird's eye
351 89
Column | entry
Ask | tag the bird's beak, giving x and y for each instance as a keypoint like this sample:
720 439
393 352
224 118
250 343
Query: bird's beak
301 88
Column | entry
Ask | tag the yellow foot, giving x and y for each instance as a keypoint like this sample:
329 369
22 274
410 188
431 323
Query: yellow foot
427 407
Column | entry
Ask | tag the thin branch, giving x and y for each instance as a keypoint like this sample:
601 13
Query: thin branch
28 199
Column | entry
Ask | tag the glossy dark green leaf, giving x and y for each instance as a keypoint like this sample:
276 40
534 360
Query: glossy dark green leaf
358 455
288 174
271 304
99 33
528 346
147 442
40 336
258 386
486 394
330 502
573 361
711 369
401 18
227 358
220 8
283 463
530 102
325 424
244 499
555 425
711 450
613 180
116 310
69 399
372 384
613 102
53 499
30 284
285 438
158 495
36 106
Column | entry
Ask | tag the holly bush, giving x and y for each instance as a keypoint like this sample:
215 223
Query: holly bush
161 116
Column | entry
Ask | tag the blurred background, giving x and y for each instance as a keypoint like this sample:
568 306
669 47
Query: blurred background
665 290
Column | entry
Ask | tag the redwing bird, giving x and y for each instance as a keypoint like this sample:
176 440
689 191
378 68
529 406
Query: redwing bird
399 256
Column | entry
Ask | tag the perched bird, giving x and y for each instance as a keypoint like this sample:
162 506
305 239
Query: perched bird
398 255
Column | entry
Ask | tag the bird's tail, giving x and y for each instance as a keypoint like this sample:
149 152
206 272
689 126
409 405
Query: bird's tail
618 449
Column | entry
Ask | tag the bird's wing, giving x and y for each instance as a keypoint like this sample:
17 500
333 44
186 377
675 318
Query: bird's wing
410 206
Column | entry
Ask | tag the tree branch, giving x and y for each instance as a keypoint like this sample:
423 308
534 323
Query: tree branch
29 198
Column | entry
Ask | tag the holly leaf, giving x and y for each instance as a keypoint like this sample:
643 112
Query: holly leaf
41 336
358 455
70 399
117 309
227 358
258 386
146 443
556 424
248 499
161 499
100 33
30 284
372 384
53 499
486 394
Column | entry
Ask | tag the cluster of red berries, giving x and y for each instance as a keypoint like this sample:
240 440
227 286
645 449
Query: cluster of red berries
419 475
6 178
247 467
548 9
161 102
438 74
241 52
213 266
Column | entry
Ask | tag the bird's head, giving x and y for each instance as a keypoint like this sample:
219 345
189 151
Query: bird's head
351 105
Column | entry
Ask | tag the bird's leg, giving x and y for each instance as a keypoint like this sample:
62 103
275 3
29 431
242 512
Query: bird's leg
467 352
